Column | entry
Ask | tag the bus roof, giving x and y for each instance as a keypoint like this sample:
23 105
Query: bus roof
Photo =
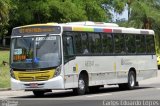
107 29
90 23
45 24
89 26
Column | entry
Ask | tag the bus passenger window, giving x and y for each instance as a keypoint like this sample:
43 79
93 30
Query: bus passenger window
78 45
85 47
150 44
119 43
95 43
107 42
140 44
85 51
130 43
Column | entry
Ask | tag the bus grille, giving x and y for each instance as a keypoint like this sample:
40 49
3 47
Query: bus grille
38 78
34 76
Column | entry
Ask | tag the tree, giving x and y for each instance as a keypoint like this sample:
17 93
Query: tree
144 14
42 11
66 11
4 10
4 17
116 6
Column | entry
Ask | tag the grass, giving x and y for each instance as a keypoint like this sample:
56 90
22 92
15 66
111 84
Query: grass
4 69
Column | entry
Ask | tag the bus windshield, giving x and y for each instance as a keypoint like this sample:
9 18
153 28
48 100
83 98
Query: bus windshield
35 52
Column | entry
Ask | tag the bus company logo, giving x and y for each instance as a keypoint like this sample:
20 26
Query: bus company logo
9 103
125 62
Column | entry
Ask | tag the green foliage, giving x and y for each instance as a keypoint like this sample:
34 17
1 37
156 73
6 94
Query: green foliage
4 16
65 11
42 11
118 5
4 70
142 14
4 10
145 14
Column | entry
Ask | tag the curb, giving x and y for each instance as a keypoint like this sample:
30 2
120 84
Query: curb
5 89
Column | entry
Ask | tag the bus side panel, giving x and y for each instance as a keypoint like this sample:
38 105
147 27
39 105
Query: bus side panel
109 69
71 75
147 67
101 70
123 65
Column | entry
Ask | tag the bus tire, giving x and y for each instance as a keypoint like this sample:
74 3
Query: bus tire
131 82
38 93
82 86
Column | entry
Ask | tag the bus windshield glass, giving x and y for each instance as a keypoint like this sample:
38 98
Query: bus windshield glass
35 52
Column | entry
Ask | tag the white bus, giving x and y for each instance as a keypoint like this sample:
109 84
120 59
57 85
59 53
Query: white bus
81 56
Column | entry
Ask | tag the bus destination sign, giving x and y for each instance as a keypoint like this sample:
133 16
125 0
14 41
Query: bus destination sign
36 30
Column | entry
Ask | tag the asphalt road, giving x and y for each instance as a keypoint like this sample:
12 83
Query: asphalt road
108 96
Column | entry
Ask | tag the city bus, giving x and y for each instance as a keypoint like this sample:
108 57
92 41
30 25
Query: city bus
82 56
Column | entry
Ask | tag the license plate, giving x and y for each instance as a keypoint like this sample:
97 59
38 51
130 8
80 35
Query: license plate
33 85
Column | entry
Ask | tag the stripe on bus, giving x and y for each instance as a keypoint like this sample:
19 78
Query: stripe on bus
144 32
107 30
87 29
117 31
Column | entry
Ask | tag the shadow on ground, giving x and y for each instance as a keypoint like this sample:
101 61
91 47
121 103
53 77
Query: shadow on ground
65 94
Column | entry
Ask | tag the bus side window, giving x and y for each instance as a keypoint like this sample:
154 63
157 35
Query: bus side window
150 44
119 43
107 41
81 43
85 47
78 44
130 43
95 43
68 47
140 44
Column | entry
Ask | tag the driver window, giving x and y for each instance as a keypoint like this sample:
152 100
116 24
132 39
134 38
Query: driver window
68 47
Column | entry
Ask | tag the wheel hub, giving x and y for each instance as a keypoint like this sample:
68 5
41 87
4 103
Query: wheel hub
132 80
81 84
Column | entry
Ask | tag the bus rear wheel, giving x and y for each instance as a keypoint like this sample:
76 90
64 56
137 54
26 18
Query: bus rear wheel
38 93
131 82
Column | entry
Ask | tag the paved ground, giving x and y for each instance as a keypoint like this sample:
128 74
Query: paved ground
148 90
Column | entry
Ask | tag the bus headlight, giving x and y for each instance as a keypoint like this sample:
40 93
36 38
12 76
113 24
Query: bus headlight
12 74
58 71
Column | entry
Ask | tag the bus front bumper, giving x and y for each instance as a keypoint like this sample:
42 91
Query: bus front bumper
54 83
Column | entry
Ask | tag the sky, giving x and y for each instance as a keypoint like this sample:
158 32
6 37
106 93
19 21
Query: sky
117 16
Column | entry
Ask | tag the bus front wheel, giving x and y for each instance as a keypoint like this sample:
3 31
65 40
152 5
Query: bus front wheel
82 86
